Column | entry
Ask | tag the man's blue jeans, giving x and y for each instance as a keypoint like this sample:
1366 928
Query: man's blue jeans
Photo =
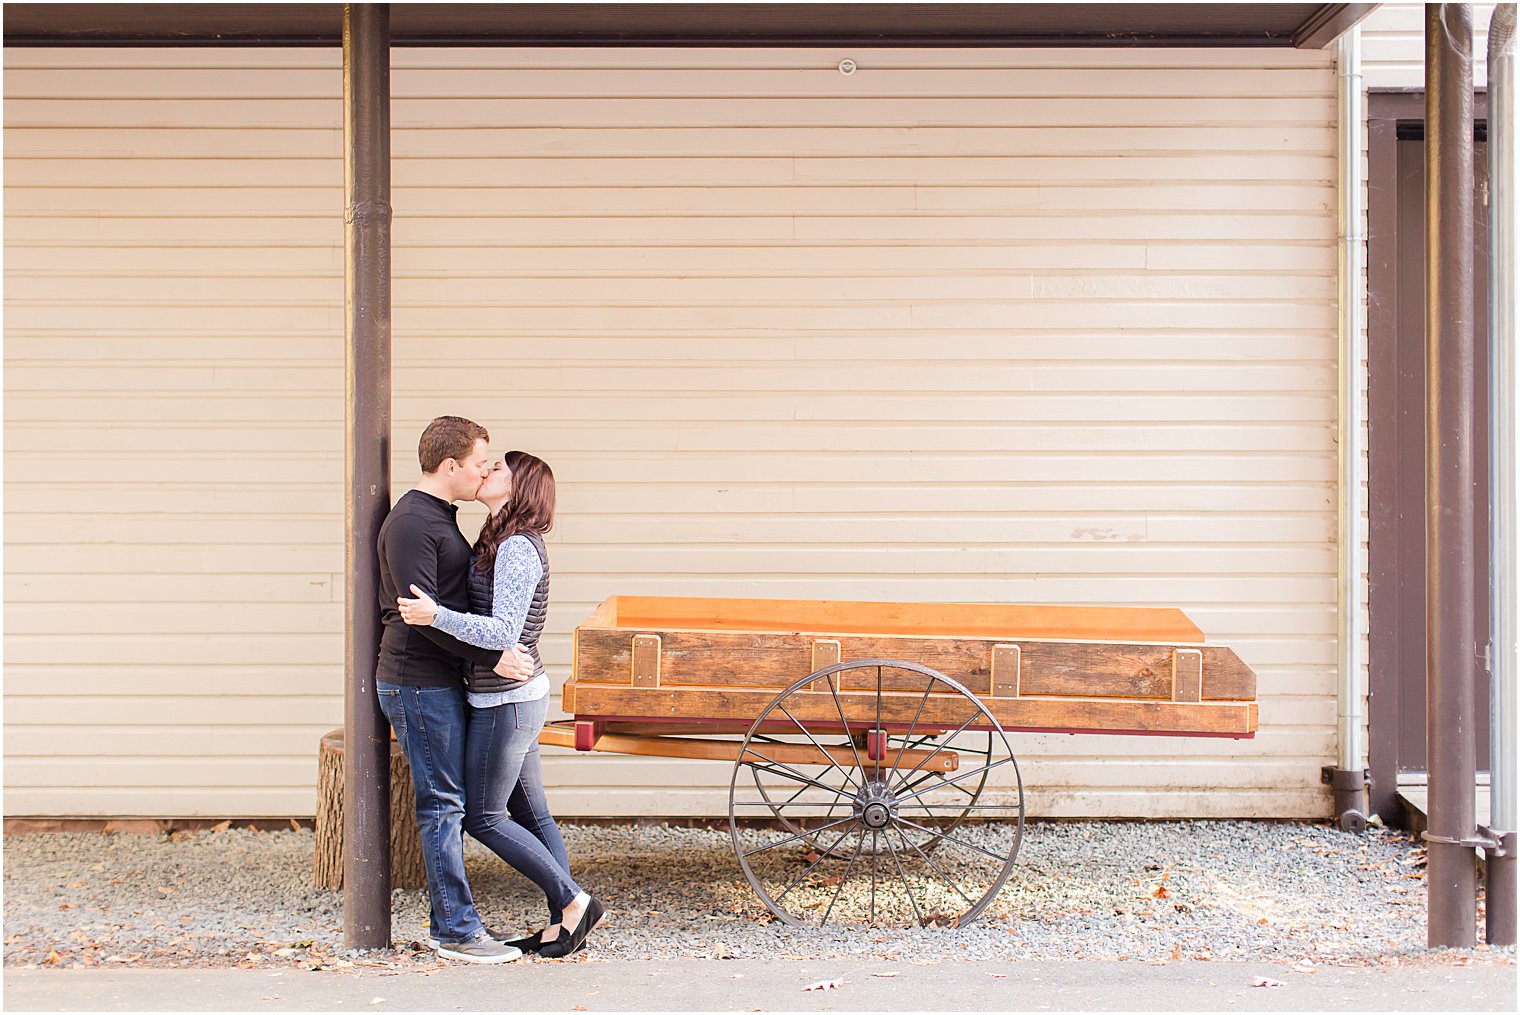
431 724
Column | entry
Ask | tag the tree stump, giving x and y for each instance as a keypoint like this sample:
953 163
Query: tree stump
407 870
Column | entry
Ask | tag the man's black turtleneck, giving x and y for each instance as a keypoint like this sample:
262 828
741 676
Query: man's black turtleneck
420 544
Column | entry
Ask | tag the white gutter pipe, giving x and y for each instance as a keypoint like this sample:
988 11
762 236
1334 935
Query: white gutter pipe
1349 778
1504 466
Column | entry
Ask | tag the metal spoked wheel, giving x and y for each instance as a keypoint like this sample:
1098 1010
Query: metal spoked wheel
897 793
976 751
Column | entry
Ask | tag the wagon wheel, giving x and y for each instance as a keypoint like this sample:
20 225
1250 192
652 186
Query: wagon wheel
977 751
858 831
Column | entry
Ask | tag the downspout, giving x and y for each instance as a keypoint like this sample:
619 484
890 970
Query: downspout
1350 778
1503 379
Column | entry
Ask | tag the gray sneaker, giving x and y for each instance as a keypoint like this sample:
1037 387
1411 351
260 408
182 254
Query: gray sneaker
496 935
480 948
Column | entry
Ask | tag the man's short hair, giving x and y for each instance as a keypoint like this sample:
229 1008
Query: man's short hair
448 437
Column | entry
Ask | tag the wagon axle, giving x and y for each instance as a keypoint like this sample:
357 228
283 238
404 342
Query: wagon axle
875 804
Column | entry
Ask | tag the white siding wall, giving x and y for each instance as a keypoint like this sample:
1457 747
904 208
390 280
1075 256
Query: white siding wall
1393 45
1035 326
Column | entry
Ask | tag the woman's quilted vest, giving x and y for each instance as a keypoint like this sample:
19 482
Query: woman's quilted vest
482 679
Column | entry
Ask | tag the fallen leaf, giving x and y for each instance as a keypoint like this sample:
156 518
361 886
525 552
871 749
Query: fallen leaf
824 985
1176 952
377 1000
221 826
1265 981
1303 966
54 957
890 972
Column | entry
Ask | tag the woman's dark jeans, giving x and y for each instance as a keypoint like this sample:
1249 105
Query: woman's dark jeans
504 799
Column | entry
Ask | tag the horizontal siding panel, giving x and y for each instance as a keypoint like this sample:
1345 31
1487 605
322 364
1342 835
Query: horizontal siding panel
165 199
1021 326
409 59
196 746
227 772
253 707
489 230
1025 407
301 648
418 129
166 496
56 586
150 680
161 289
219 122
805 501
618 530
589 449
785 80
1075 560
90 801
224 618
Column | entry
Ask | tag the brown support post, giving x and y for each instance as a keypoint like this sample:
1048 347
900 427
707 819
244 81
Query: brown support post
367 411
1452 651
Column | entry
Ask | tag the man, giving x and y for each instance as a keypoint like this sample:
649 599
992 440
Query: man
420 676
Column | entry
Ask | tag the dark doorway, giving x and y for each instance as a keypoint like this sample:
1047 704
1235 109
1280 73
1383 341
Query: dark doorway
1396 441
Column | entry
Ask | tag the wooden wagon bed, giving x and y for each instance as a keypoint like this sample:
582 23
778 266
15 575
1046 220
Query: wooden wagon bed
646 665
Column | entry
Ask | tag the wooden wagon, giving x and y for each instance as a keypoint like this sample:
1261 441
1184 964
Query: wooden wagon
869 741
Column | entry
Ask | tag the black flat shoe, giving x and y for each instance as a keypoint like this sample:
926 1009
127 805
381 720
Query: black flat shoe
532 943
562 945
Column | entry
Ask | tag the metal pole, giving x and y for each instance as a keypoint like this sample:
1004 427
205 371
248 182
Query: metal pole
1504 467
367 411
1349 778
1451 655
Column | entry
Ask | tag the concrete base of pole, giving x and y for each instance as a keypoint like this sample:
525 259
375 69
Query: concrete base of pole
1499 925
1451 872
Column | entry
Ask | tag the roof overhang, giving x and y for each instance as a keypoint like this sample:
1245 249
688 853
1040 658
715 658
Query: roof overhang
1305 26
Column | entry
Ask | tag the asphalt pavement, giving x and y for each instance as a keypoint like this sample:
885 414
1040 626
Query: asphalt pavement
1437 983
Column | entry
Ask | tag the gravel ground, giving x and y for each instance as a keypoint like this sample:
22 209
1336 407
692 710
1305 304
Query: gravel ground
1300 894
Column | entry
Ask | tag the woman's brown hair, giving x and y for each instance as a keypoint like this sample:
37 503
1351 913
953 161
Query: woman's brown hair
530 508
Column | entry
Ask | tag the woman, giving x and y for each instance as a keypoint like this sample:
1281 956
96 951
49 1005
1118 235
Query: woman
505 806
